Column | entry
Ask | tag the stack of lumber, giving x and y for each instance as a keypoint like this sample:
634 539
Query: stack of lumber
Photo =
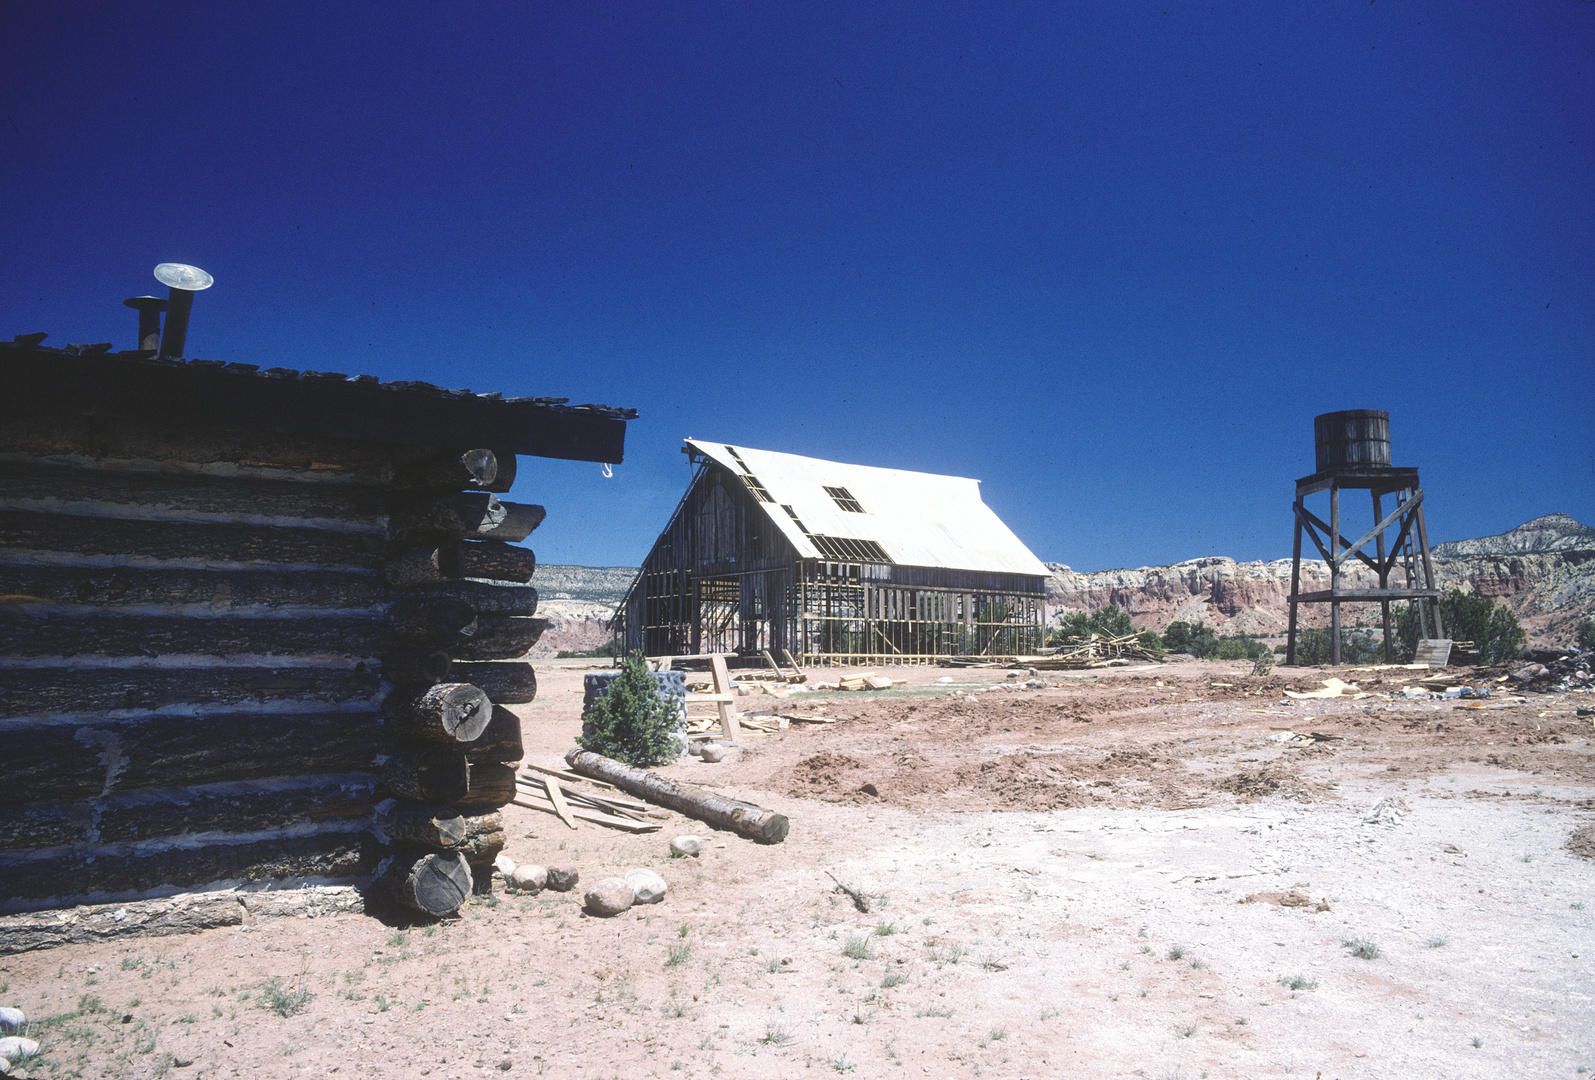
868 681
1097 651
575 799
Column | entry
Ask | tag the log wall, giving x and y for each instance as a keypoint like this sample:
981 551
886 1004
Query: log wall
231 658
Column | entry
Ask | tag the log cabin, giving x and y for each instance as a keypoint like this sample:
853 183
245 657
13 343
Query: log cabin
259 627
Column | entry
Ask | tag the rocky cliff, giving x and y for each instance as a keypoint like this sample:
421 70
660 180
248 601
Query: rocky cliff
1543 570
578 602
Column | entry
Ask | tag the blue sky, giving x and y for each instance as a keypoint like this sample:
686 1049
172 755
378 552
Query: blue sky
1110 258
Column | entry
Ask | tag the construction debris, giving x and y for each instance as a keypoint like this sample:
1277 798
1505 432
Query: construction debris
550 791
1333 688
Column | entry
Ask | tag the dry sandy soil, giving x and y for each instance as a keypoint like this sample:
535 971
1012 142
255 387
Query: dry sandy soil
1117 875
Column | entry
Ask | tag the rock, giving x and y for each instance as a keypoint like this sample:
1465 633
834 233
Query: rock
1035 684
528 877
562 878
945 679
504 865
683 846
11 1021
14 1049
695 749
648 887
712 752
1386 811
610 896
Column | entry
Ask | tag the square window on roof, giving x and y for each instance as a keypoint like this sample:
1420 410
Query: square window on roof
844 499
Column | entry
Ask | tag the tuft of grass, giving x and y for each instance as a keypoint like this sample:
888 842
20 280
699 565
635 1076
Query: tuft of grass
678 955
997 1035
132 963
843 1064
1187 1032
858 948
1198 964
1362 948
884 929
1298 982
935 1011
1477 1042
283 1001
1176 952
1436 943
893 978
776 1035
950 955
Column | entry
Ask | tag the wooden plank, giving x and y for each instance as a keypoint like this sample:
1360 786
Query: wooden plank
564 775
722 686
51 383
612 821
1435 652
557 797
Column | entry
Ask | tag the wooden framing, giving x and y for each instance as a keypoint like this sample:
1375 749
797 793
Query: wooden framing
1409 552
722 578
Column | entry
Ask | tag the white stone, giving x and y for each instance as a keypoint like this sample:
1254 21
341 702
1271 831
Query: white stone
14 1048
610 896
528 877
504 865
712 752
11 1021
648 887
682 846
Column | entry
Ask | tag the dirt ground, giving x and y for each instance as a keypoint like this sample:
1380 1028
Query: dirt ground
1128 873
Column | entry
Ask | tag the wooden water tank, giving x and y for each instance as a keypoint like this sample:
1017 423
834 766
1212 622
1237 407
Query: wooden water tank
1352 439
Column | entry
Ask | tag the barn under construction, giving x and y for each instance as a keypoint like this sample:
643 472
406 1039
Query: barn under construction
834 564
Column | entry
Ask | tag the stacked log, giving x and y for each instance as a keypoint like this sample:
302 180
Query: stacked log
463 613
211 672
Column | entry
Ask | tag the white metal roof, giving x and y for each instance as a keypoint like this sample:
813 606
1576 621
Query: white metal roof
920 519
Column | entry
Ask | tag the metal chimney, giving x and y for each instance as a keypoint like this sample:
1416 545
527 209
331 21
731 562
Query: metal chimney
149 310
182 282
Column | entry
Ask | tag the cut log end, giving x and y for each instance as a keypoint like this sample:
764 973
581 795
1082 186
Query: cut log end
434 885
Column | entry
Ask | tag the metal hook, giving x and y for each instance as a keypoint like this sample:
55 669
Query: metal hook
608 472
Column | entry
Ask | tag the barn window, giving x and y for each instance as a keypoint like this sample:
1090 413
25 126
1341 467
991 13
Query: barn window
844 499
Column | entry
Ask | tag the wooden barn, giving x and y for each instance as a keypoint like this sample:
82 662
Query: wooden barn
834 564
257 627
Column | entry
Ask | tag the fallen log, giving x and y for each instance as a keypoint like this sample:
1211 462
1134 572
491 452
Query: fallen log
744 819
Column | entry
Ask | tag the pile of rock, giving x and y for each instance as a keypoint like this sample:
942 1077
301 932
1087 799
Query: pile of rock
14 1048
608 897
1555 669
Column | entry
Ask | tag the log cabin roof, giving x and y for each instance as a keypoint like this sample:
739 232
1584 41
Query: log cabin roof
829 509
92 381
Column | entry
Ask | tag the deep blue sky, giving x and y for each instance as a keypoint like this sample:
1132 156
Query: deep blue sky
1108 258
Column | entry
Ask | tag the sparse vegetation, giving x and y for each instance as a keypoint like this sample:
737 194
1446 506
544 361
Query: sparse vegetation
776 1035
1362 948
1176 952
283 1001
678 955
858 948
1298 982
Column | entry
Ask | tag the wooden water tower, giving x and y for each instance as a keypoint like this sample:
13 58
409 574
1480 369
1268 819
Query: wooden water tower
1353 452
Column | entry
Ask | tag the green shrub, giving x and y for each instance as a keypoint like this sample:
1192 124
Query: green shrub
1356 647
632 722
1493 629
1586 634
1239 647
1196 638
